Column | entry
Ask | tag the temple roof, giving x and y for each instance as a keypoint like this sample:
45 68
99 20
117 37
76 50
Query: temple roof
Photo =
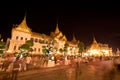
74 38
57 29
94 45
58 34
23 26
64 38
94 40
74 41
34 34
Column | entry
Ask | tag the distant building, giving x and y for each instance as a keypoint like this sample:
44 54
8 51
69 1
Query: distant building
99 49
59 38
73 46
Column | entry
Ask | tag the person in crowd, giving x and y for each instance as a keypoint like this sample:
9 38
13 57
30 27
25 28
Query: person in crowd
46 60
16 68
7 68
5 65
23 64
55 60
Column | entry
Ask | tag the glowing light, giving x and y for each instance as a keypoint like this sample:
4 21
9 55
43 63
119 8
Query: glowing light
9 51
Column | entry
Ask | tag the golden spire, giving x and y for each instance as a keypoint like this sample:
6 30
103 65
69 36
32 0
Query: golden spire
94 40
94 45
23 26
74 39
57 29
64 38
24 21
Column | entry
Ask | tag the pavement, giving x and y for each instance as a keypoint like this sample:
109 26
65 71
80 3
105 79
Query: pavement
88 71
36 71
41 70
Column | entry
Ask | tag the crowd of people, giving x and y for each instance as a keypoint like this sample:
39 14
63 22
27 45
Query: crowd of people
13 65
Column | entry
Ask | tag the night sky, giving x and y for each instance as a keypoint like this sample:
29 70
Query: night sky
83 20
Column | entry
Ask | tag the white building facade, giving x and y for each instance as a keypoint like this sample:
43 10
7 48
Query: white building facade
21 33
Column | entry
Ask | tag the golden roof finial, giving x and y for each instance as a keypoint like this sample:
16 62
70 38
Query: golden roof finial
23 25
57 29
94 45
74 39
94 40
24 20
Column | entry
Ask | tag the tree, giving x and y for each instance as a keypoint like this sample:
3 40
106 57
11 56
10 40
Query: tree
16 54
45 50
29 43
2 46
65 47
26 48
81 47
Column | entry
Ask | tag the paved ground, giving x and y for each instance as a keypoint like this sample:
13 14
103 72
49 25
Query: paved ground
44 74
87 71
41 70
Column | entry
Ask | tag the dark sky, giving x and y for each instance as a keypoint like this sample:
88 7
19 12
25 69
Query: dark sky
83 20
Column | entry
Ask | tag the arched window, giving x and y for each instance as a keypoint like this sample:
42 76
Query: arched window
16 37
38 49
21 38
26 39
36 40
14 47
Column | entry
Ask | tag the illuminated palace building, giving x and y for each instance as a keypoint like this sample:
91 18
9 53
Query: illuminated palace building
21 33
55 43
98 49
